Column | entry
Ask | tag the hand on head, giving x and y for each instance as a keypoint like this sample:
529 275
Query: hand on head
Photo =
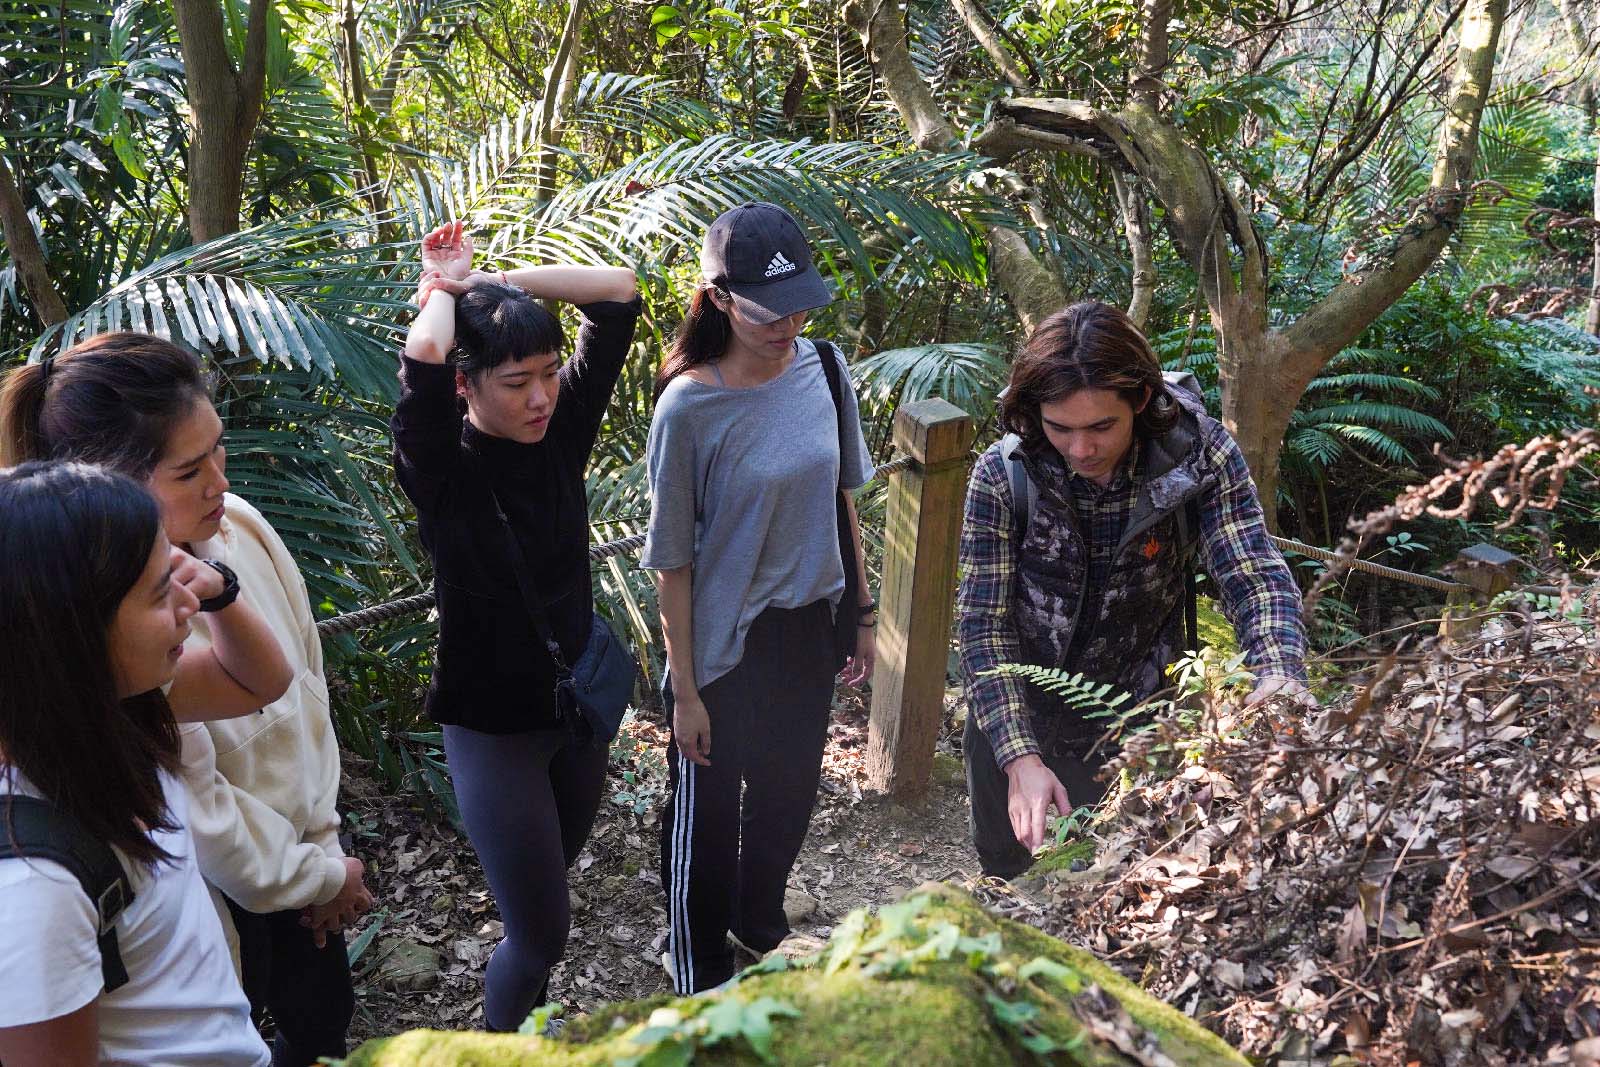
448 251
433 281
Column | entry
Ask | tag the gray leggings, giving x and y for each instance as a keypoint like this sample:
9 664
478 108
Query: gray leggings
528 801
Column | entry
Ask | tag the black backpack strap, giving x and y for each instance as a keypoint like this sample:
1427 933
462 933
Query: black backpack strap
1188 540
31 828
844 638
1023 491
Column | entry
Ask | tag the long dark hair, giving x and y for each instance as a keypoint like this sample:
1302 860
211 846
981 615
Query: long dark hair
112 400
74 539
1089 345
499 323
702 337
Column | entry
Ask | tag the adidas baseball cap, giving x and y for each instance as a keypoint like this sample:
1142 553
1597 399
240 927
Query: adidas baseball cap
758 253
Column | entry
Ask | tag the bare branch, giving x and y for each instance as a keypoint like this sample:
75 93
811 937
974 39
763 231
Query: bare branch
1341 316
983 32
883 33
1136 224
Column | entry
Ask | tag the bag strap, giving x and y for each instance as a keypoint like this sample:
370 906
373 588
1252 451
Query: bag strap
830 370
830 358
35 828
1188 532
531 601
1023 490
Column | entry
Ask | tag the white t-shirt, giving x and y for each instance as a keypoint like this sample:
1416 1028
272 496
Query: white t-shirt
182 1005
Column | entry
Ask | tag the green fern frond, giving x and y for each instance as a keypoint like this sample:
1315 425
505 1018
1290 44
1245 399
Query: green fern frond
1076 690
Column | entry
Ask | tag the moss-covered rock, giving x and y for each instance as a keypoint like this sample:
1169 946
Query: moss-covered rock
933 979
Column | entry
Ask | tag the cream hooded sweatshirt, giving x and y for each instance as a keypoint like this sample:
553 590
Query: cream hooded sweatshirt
262 787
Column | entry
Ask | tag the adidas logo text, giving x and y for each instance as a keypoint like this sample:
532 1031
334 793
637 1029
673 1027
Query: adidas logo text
780 264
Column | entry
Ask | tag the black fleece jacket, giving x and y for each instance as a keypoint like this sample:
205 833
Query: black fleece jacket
492 673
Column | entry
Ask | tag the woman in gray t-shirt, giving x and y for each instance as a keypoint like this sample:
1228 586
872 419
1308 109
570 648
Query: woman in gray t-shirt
747 456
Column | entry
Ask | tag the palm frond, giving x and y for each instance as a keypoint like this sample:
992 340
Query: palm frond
297 292
662 201
613 102
1376 414
408 36
1378 383
970 376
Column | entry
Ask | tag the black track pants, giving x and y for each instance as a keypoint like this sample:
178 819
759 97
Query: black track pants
725 859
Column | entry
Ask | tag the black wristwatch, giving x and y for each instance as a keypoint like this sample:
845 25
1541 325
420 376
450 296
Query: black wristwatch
230 587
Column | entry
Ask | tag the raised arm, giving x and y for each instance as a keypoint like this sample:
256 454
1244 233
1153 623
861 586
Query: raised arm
240 670
574 285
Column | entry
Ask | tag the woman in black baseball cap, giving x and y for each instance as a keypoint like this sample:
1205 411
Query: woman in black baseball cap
755 443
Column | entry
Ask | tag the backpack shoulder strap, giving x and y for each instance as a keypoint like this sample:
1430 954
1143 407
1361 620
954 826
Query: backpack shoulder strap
34 828
1188 543
830 370
1024 493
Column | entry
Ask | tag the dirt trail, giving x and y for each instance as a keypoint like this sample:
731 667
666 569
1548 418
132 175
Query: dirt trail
861 851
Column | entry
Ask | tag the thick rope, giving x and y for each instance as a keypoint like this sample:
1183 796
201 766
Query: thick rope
1427 581
394 609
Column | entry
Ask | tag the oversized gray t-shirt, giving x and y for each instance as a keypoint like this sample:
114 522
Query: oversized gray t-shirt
742 485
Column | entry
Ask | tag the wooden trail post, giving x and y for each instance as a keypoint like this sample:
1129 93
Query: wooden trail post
922 532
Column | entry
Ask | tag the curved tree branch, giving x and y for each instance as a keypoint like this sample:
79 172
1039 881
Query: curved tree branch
1032 286
1340 317
983 32
1136 224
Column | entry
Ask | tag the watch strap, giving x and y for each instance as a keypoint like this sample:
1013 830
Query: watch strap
230 587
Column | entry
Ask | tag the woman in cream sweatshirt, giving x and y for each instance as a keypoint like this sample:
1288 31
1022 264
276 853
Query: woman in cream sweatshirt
263 785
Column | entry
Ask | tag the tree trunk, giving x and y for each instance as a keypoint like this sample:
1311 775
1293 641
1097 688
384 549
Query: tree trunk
558 83
371 178
224 107
26 252
1264 372
1592 319
1581 27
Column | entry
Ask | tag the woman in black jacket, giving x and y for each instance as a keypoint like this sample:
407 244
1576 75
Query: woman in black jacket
488 411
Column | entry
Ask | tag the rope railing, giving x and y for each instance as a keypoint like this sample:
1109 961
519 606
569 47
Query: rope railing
395 609
1327 555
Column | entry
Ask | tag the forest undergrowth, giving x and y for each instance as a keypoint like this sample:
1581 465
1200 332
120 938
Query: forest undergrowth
1409 876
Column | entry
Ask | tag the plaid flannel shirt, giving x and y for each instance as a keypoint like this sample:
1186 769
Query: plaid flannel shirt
1257 590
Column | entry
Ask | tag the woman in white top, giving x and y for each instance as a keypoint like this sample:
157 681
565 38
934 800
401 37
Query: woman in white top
262 787
95 625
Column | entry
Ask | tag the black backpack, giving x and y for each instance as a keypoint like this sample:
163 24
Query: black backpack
34 828
1025 494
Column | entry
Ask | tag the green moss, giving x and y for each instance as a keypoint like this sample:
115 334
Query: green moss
934 979
1185 1040
949 770
1063 856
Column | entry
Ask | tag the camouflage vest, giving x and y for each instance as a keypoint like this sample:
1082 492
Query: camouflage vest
1139 627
